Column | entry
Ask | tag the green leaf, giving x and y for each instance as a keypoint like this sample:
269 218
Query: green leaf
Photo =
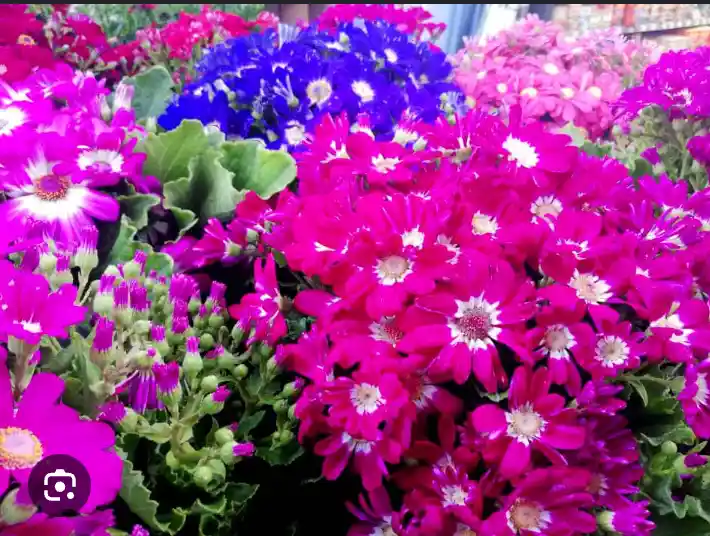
578 135
137 496
158 432
257 168
640 390
247 424
168 154
185 219
281 455
136 207
215 508
678 433
239 493
122 250
153 91
669 525
641 167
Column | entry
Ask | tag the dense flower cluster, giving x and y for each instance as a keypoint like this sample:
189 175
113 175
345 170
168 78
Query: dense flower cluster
58 153
251 87
23 46
497 256
552 76
666 118
183 40
413 20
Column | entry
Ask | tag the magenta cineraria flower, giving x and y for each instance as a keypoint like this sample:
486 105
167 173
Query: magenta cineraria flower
113 412
262 310
244 449
38 426
631 519
374 514
221 394
546 501
535 420
616 349
29 309
103 336
141 384
484 305
46 188
695 398
361 403
167 377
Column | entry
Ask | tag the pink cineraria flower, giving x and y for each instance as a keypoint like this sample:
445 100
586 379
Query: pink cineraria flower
375 514
37 427
695 398
29 308
368 456
263 309
219 244
559 335
141 385
616 349
47 188
631 519
535 420
547 501
485 304
362 403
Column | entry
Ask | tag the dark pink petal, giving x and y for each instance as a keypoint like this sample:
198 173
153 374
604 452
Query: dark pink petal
489 419
516 459
564 437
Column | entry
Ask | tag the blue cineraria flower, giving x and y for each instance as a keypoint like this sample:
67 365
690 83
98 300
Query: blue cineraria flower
253 88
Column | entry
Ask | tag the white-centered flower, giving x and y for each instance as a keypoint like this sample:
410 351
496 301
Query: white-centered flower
28 325
454 495
101 160
19 448
525 515
366 398
612 351
551 69
11 118
363 90
525 424
475 323
521 152
483 224
391 55
295 133
393 269
595 92
385 331
567 92
385 164
673 321
546 205
319 91
590 288
413 238
701 396
557 341
529 92
453 248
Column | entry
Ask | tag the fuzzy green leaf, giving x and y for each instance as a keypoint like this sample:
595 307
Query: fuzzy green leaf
257 168
168 154
136 207
247 424
137 496
122 250
153 91
282 455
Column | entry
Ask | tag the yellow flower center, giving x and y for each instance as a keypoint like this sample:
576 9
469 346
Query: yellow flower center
19 448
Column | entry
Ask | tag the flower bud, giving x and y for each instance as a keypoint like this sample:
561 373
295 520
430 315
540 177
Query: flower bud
216 321
280 406
237 334
241 371
214 403
202 476
192 364
223 435
47 262
11 512
209 383
206 341
669 448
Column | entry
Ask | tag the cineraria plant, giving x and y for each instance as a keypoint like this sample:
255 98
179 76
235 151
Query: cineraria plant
254 88
553 77
502 325
666 119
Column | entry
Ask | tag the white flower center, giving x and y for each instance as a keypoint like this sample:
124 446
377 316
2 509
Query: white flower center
31 327
319 91
528 516
567 92
413 238
557 341
475 323
612 351
384 331
391 55
551 69
454 496
101 160
384 528
453 248
393 269
484 224
383 164
363 90
521 152
546 205
11 118
502 88
525 424
530 92
595 92
366 398
590 288
357 445
295 134
673 321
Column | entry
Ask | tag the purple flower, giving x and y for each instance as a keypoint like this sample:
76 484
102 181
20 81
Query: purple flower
182 287
244 449
192 346
113 412
180 324
139 299
121 295
157 333
221 394
217 292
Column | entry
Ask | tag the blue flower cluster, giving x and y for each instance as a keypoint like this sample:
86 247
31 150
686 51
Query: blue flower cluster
253 88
